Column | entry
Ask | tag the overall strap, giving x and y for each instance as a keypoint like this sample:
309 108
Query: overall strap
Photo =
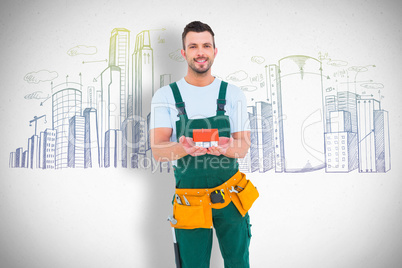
221 101
180 106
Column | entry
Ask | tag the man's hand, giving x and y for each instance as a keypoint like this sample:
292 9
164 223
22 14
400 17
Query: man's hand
190 148
222 147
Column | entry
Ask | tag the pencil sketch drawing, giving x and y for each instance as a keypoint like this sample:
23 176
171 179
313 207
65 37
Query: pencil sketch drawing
306 114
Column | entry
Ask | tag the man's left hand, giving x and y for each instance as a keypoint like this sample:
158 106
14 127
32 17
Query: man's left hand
223 145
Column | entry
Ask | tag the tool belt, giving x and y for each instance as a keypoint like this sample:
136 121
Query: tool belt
197 204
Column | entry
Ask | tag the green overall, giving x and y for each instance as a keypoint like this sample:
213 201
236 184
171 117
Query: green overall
209 171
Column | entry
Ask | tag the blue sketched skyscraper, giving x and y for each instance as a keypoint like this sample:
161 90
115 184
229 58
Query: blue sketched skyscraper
47 149
109 113
330 106
340 143
346 101
18 157
250 163
128 144
301 102
264 131
382 141
12 160
91 145
113 154
76 140
33 152
277 116
66 103
373 137
260 156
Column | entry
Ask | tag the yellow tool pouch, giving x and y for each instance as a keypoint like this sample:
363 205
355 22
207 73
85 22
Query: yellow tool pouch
198 212
196 215
248 196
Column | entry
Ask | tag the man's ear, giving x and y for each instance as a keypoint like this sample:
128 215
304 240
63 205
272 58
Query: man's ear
216 51
183 53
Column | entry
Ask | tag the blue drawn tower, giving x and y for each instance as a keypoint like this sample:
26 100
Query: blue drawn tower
261 153
109 114
299 110
66 103
277 115
373 136
91 145
47 149
76 142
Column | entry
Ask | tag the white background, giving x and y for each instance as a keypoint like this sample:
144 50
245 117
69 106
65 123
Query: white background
117 218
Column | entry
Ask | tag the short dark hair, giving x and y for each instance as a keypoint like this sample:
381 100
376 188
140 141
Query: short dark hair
198 27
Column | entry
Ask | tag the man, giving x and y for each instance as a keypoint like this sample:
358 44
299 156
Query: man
201 101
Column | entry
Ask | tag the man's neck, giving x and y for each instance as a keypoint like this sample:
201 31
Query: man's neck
199 80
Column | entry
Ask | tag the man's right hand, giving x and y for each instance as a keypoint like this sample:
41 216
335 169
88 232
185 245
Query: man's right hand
190 148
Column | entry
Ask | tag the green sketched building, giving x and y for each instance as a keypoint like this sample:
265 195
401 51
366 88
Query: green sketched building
143 74
119 53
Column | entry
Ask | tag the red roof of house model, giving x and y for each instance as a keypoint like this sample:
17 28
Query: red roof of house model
204 135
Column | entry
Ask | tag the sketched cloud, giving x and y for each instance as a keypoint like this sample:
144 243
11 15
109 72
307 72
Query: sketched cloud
40 76
337 63
257 59
37 95
82 50
248 88
176 56
372 85
237 76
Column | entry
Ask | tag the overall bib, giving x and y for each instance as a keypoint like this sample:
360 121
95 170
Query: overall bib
209 171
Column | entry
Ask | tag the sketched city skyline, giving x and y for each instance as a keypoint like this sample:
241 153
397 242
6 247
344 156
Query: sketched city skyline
302 124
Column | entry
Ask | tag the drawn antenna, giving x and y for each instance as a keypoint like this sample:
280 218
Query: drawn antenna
65 83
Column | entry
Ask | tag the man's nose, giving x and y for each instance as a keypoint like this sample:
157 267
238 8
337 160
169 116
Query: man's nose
200 52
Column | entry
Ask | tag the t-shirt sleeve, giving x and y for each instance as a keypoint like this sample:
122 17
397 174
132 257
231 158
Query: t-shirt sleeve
160 111
239 115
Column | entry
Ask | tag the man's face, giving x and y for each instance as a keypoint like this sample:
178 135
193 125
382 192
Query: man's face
199 51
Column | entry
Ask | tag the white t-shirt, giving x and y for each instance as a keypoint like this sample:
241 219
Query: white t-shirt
200 102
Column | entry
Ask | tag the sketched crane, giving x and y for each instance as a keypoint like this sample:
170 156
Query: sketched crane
36 118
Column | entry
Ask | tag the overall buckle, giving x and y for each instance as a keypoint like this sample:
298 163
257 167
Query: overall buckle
180 106
221 104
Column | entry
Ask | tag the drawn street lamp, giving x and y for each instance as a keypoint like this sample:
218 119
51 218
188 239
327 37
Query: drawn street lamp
36 118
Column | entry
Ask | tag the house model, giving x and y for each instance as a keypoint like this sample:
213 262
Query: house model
206 137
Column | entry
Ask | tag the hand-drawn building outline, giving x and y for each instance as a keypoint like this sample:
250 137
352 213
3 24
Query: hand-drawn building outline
298 126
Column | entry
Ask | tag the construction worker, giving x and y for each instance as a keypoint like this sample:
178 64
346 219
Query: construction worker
202 101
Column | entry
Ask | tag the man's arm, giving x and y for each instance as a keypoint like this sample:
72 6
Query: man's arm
239 146
235 147
165 150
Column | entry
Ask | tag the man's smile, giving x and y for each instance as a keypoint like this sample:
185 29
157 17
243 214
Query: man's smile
201 60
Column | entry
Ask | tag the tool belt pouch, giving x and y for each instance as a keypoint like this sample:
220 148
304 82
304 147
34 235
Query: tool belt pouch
194 216
248 196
